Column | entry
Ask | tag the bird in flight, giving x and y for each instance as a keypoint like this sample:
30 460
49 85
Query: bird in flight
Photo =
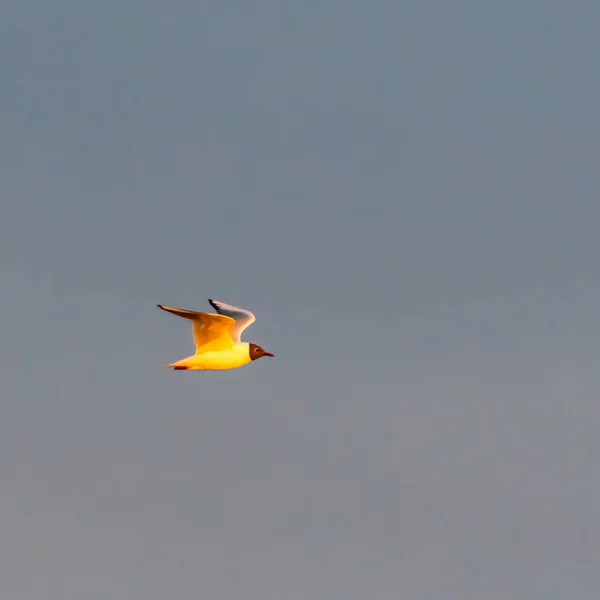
217 339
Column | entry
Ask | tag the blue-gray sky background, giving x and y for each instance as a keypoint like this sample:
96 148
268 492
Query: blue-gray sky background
406 195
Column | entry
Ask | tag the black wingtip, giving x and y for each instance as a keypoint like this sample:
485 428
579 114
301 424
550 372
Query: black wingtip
212 303
160 306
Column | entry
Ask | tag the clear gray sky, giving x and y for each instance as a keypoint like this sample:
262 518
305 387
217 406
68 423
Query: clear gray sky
407 196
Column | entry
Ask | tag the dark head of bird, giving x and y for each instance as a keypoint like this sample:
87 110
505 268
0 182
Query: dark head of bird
258 352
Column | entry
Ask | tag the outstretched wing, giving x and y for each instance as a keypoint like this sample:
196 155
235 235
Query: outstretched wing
211 332
243 318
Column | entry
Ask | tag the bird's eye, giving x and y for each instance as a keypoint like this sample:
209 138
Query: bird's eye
256 349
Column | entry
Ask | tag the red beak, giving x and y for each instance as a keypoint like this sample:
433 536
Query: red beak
269 354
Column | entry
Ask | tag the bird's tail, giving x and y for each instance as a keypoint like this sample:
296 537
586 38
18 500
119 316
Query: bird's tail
180 365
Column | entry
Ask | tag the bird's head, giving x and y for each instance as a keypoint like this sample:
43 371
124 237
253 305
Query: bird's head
258 352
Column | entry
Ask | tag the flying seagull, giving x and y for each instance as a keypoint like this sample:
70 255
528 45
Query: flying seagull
217 339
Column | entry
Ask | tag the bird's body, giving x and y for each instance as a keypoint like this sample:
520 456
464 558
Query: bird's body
218 360
217 339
